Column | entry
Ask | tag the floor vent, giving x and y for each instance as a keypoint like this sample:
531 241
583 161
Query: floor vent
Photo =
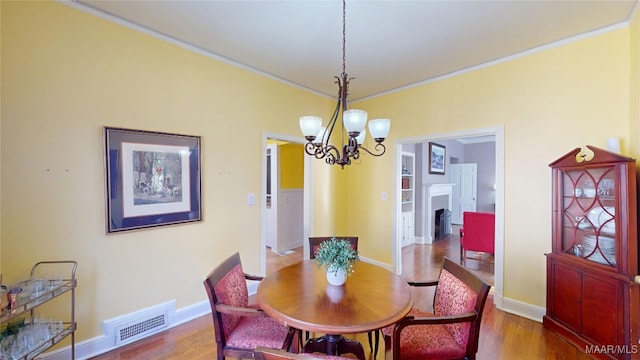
140 329
140 324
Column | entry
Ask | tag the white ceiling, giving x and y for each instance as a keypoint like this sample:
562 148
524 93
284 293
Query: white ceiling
390 44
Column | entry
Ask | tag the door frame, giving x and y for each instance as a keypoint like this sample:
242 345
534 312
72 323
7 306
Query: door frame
307 198
498 132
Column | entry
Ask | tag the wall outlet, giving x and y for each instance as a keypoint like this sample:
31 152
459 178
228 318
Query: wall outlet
251 200
383 196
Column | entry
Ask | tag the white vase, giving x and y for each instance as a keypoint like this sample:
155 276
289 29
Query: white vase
336 278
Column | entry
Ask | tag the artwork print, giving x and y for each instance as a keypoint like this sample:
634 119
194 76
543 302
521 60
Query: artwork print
437 158
153 179
155 175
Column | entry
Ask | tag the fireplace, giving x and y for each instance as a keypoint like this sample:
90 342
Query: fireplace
442 224
436 196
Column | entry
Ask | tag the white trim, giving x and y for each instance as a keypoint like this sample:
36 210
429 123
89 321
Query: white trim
377 263
522 309
196 49
90 10
105 342
498 132
307 210
504 59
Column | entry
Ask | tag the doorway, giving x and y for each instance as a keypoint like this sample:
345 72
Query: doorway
286 210
498 135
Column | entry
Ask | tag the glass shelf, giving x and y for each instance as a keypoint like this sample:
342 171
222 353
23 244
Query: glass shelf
588 215
20 320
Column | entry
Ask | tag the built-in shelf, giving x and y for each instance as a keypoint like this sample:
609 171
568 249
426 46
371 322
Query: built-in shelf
407 197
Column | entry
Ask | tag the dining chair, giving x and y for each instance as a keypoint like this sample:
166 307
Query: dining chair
262 353
314 244
452 330
240 328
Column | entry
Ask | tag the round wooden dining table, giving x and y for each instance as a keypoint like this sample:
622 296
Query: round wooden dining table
300 296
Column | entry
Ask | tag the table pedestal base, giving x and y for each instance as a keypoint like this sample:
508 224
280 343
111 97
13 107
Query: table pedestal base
334 345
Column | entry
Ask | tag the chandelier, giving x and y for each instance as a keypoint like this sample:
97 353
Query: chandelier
353 124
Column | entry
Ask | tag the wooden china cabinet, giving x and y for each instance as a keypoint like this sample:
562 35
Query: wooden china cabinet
592 297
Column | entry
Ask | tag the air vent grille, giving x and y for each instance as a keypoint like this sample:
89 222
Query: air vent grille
139 329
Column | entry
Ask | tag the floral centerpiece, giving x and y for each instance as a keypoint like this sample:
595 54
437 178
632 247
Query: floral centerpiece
338 257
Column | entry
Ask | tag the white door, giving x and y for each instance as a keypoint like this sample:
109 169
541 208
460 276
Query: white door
464 193
271 197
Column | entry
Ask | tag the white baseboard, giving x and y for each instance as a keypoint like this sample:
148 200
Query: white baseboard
519 308
106 342
378 263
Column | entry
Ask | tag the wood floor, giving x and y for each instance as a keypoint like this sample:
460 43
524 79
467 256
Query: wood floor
502 336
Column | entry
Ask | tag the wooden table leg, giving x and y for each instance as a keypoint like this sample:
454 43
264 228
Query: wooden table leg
332 344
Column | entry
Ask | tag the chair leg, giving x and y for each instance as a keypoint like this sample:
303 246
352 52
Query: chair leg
375 348
388 353
373 345
296 344
302 338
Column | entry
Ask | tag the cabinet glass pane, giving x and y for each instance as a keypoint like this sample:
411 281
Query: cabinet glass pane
588 214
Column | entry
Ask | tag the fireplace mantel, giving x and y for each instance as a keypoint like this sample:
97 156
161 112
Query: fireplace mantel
430 191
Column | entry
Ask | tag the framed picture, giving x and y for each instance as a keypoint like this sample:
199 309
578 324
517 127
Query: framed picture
437 158
153 179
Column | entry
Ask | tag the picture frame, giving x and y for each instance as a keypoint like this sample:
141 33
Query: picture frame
152 179
437 158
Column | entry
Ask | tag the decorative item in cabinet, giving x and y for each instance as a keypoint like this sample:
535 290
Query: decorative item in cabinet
592 298
25 335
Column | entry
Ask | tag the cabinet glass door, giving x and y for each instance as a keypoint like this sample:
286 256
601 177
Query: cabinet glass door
588 214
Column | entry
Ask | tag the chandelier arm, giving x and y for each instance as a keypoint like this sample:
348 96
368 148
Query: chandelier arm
332 123
351 149
331 152
380 149
313 150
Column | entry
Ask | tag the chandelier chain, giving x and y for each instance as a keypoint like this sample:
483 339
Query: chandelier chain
344 36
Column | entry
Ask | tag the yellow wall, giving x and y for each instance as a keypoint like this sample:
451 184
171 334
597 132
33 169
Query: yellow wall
549 103
291 166
330 203
634 93
65 74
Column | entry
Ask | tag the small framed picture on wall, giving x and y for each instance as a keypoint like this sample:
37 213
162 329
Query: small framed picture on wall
437 158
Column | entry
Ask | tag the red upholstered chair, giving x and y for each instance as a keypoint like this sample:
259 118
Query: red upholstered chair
477 233
272 354
239 328
452 330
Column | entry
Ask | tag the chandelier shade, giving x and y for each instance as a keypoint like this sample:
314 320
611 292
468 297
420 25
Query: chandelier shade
310 125
379 128
354 121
